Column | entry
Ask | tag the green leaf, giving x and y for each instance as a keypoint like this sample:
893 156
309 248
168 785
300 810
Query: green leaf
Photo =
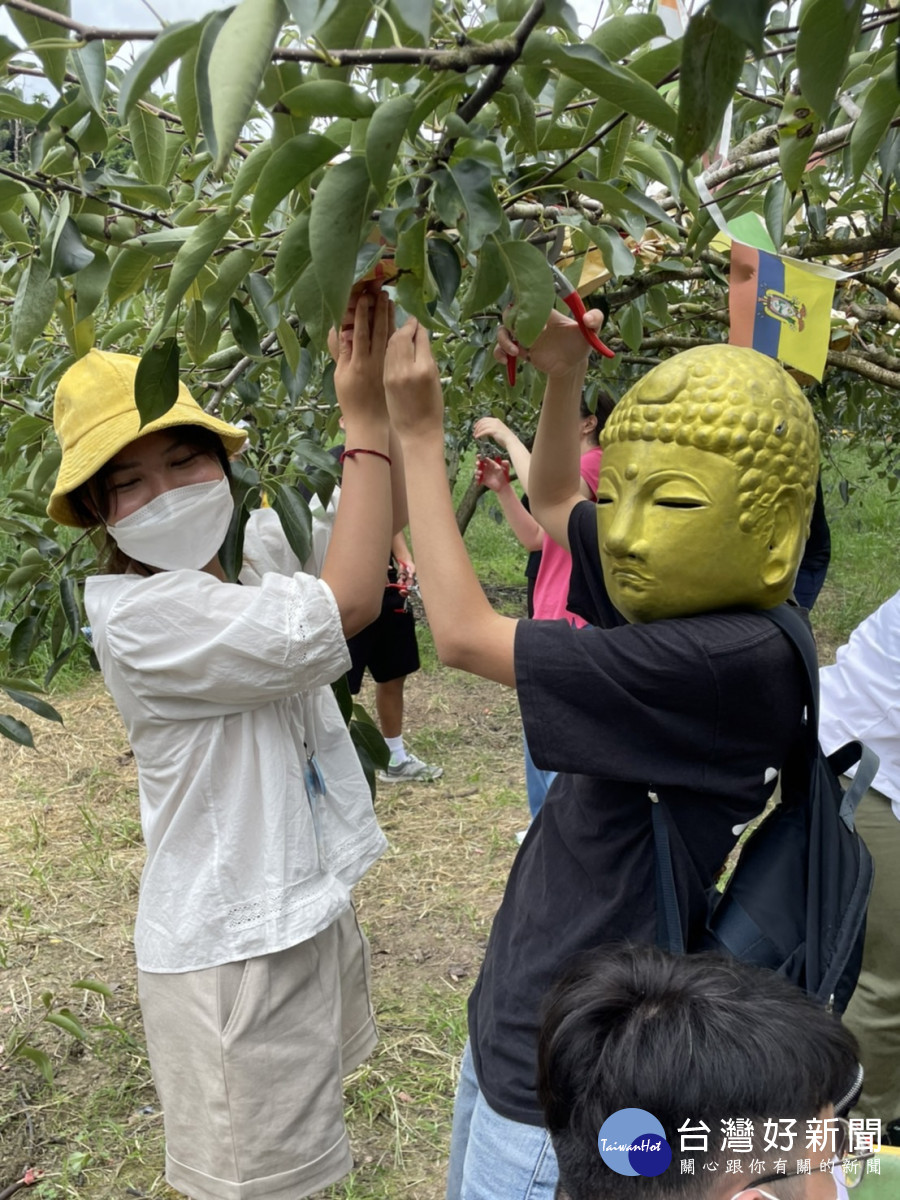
166 48
68 1024
33 305
24 431
620 85
631 326
14 106
338 210
341 689
237 63
293 254
532 286
186 99
264 300
828 32
617 38
162 242
798 128
290 347
35 704
879 105
129 272
202 92
291 163
463 194
367 735
90 67
23 1049
156 381
69 601
204 239
328 98
711 64
16 731
745 18
94 985
445 267
618 258
148 141
249 171
417 15
488 282
36 29
68 253
295 517
311 14
776 204
243 329
232 270
91 286
383 137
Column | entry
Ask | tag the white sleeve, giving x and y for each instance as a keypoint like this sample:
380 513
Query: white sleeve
182 638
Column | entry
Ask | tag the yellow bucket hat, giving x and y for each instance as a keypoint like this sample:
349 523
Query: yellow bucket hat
95 416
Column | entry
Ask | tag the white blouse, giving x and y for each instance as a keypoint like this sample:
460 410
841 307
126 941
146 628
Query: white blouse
224 693
860 695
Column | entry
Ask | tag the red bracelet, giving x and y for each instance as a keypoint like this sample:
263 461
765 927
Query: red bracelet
360 450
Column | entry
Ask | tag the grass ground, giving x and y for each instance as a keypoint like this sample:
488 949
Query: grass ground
71 853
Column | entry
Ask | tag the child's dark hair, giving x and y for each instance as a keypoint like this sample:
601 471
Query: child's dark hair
687 1038
90 501
604 406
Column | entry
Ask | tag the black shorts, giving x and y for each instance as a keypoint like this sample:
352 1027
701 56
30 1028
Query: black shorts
387 647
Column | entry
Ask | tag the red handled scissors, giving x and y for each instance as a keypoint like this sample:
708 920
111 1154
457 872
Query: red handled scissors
568 293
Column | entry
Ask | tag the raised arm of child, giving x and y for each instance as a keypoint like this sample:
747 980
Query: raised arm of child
467 632
554 478
360 543
493 475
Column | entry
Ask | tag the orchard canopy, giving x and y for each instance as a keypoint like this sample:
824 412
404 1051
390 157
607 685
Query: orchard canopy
205 193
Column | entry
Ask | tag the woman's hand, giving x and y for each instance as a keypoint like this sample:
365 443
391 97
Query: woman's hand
359 351
412 383
561 348
493 428
492 472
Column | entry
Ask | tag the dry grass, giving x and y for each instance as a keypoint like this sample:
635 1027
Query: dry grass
72 856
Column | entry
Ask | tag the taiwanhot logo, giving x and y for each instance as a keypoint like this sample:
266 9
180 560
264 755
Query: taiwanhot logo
633 1142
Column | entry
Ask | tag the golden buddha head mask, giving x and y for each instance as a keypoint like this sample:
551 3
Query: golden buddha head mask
707 484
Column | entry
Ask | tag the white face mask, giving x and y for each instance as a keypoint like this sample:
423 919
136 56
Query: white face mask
840 1188
184 527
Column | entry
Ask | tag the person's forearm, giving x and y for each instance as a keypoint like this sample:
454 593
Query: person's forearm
521 522
398 485
520 457
467 633
399 548
555 477
359 549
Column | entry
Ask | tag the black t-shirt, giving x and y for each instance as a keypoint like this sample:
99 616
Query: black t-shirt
695 709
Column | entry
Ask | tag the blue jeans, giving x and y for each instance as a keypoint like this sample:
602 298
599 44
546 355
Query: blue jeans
537 782
491 1157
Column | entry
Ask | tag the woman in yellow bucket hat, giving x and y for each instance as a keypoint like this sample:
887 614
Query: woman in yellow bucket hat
257 818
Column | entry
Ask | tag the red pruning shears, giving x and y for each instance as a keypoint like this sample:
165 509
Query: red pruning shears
568 293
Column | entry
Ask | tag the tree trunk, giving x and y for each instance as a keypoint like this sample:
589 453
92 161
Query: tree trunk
466 509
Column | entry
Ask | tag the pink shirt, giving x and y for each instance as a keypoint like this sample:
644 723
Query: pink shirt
551 588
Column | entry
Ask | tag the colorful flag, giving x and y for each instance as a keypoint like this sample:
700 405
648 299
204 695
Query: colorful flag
780 307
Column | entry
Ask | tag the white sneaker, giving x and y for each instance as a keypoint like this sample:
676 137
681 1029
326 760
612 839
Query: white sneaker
411 770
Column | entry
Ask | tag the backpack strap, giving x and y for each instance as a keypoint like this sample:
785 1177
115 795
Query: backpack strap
840 762
792 625
788 619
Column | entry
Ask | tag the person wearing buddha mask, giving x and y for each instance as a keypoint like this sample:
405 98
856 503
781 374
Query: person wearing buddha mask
257 818
675 687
